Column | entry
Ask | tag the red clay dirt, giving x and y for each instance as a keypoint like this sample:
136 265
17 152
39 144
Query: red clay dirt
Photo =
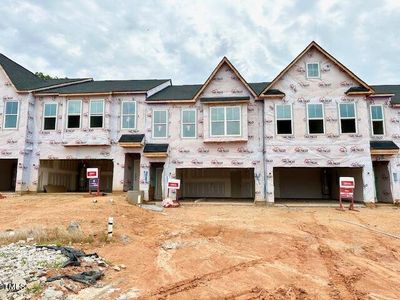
230 251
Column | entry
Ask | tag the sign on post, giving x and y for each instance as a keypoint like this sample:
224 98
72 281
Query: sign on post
94 182
174 184
346 191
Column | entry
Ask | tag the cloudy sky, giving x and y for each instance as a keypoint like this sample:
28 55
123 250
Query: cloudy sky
184 40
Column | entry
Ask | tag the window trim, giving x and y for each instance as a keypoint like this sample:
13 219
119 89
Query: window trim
74 114
291 120
166 124
96 115
195 123
225 122
122 114
319 70
372 120
5 114
322 118
347 118
44 116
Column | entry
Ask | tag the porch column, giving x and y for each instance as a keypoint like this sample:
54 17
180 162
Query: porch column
369 183
144 177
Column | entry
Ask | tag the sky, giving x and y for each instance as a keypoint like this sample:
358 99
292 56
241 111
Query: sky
185 40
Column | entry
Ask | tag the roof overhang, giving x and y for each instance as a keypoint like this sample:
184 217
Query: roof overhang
169 101
156 154
131 140
214 100
384 148
156 150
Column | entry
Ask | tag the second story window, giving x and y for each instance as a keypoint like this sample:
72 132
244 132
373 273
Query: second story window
284 124
378 127
347 113
315 118
11 112
49 116
96 113
313 70
225 121
160 121
128 115
74 108
188 128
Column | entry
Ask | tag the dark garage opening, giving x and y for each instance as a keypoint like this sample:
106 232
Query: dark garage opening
216 183
69 175
315 184
8 174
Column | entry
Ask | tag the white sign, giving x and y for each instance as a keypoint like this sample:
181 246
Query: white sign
92 173
346 182
174 184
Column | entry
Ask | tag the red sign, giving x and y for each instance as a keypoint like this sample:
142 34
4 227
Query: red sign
174 184
92 173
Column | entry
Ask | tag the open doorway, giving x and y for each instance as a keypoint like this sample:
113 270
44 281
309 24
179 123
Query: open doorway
8 174
131 172
156 173
382 181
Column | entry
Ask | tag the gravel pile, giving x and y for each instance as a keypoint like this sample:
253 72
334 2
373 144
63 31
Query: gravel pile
23 269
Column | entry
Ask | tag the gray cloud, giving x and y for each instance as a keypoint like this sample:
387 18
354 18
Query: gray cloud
184 40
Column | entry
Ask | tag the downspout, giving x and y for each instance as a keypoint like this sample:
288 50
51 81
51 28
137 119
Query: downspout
264 150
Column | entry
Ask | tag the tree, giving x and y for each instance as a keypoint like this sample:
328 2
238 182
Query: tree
45 76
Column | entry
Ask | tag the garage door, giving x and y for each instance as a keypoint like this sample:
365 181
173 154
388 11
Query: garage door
8 174
227 183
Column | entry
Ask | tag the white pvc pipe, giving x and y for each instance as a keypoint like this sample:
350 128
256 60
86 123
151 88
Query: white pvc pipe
110 227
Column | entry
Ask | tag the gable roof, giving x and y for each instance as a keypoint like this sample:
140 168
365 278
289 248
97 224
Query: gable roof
108 86
224 60
389 89
323 51
25 80
258 87
175 92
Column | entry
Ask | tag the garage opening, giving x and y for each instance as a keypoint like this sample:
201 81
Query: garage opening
315 184
216 183
8 174
382 181
69 175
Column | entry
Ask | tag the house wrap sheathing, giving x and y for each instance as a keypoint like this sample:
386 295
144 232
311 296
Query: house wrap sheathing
255 163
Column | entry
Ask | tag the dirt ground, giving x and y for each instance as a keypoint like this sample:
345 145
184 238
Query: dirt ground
230 251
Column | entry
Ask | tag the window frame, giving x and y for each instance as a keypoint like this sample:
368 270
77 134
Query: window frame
44 116
5 115
321 118
226 121
195 123
291 120
122 114
348 118
74 114
319 70
372 120
153 124
96 115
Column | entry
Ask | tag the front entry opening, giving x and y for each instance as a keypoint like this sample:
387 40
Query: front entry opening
382 181
69 175
8 174
131 172
156 175
216 183
314 184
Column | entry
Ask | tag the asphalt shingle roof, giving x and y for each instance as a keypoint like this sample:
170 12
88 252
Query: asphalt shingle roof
25 80
386 145
108 86
131 138
217 99
258 87
176 92
155 148
389 89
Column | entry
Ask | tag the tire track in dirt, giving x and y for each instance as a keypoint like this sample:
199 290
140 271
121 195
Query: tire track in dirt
188 284
341 285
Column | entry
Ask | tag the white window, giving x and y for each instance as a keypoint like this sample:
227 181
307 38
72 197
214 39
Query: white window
347 113
315 118
284 124
377 122
74 108
188 128
225 121
11 111
160 121
96 113
313 70
128 115
50 116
